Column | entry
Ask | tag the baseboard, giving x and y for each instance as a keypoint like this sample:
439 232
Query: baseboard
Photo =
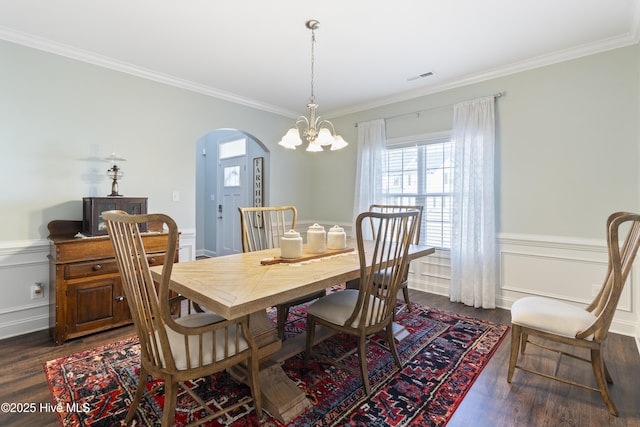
24 319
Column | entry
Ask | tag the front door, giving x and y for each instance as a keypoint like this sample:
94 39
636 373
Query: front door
233 193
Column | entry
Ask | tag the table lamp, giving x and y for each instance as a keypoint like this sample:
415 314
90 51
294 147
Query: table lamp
115 173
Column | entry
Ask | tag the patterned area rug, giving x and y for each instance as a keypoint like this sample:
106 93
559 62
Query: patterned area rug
442 357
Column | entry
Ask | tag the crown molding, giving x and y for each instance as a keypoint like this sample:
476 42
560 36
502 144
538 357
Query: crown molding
61 49
517 67
113 64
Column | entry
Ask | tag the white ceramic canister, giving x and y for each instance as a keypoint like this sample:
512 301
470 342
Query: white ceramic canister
336 238
291 245
316 239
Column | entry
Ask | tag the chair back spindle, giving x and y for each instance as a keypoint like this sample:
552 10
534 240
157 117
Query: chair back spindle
262 227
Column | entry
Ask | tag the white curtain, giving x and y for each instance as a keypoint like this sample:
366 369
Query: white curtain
473 245
372 137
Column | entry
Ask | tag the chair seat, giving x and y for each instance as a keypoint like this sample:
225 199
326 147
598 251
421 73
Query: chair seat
176 341
338 307
383 277
552 316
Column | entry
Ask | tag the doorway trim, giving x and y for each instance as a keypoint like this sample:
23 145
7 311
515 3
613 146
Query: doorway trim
207 194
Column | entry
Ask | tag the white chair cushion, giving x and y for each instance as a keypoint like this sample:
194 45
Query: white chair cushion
176 341
382 278
550 315
338 306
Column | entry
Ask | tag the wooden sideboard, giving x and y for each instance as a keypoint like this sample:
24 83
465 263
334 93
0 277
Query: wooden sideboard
86 291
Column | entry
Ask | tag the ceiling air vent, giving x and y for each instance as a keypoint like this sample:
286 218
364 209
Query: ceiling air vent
420 76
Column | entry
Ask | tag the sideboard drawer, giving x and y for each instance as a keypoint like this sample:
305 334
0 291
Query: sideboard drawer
79 270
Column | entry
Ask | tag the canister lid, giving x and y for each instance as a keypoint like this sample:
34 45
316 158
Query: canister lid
291 234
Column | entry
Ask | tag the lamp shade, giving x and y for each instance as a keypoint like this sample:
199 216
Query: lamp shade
324 137
291 139
338 143
314 147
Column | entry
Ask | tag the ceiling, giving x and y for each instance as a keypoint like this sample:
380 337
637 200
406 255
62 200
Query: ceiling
257 52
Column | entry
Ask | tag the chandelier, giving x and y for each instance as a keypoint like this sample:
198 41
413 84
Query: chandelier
317 131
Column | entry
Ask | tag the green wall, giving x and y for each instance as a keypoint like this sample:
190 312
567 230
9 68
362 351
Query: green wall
60 117
567 144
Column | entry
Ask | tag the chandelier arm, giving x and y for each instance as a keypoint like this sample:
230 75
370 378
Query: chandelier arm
302 120
320 122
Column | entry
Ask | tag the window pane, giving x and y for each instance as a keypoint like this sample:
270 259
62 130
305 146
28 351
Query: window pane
232 176
423 175
233 148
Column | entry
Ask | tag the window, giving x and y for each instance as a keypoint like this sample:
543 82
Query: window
422 174
235 148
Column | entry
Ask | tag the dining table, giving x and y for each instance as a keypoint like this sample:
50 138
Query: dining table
248 283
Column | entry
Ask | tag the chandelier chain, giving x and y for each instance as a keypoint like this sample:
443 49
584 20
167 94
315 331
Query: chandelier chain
312 98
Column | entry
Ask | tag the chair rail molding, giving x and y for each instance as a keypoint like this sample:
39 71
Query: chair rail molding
25 263
570 269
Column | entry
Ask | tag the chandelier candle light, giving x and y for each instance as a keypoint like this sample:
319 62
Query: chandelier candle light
115 173
317 131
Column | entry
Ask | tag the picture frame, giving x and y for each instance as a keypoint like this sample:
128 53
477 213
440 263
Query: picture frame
258 187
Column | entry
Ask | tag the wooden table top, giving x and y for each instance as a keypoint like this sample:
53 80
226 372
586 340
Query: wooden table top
237 285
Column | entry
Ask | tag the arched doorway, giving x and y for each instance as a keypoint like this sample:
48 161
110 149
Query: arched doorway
225 161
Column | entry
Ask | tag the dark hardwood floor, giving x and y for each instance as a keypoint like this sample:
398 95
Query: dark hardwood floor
492 402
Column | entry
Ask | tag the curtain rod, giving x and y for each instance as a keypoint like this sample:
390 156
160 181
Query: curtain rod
439 107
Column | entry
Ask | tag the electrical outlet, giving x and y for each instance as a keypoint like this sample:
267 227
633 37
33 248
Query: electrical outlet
37 291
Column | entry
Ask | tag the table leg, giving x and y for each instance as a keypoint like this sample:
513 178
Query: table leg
281 397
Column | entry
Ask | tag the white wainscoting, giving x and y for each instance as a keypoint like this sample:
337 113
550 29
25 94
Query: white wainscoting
187 248
22 264
566 269
431 273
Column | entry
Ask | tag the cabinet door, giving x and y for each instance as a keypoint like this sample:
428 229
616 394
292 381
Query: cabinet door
95 305
99 225
120 307
135 207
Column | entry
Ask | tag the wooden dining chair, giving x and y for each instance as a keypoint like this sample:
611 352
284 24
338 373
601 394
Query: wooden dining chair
180 349
567 324
370 308
400 208
262 228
